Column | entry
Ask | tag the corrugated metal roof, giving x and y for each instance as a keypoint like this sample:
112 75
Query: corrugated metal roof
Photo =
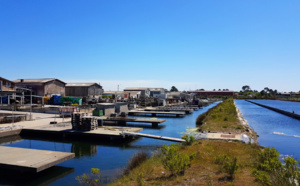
43 80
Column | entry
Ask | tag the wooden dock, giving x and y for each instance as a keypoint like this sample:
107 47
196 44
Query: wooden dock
151 136
123 121
167 109
30 160
155 113
65 130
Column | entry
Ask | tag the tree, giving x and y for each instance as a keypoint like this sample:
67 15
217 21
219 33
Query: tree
173 89
246 88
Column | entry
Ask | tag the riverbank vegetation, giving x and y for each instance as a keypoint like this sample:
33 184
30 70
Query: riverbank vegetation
205 162
221 118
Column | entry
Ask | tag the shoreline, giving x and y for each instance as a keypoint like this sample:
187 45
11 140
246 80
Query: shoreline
250 131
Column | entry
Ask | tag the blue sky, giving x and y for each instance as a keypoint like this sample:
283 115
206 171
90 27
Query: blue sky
155 43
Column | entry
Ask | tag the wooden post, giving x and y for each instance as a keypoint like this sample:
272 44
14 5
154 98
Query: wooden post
154 125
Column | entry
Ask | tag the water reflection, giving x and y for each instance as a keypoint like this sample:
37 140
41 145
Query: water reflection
81 149
45 177
10 139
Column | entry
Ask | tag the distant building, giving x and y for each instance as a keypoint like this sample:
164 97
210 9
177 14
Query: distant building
7 88
83 89
43 87
208 93
156 91
7 85
144 92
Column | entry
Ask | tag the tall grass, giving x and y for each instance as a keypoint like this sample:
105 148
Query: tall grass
135 161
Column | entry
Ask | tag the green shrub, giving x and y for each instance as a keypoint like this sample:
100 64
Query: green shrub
174 161
189 140
140 179
228 166
221 159
231 167
271 171
93 178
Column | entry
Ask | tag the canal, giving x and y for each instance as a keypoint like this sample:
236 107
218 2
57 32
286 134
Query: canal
274 129
110 158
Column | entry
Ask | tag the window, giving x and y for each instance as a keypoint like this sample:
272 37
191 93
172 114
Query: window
0 85
8 84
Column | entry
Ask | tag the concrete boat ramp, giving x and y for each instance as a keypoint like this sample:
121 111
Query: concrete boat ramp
30 160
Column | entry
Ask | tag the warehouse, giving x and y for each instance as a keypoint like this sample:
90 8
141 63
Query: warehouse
43 87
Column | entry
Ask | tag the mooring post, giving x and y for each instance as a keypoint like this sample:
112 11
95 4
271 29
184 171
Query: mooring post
154 124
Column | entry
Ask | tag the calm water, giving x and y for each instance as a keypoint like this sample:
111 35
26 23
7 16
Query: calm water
109 157
274 129
289 106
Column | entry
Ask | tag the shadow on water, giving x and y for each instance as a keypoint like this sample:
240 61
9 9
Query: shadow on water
137 125
10 139
42 178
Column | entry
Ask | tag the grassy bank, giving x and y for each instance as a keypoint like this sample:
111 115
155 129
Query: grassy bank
203 170
221 118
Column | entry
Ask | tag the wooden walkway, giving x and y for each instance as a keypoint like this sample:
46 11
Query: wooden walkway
151 136
155 113
123 120
166 109
30 160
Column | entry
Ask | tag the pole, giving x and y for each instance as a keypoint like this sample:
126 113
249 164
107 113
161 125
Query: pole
12 114
30 103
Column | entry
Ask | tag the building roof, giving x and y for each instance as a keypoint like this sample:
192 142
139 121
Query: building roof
113 92
80 84
42 80
156 89
132 93
209 91
136 89
6 80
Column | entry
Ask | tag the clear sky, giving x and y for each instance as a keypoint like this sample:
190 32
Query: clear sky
190 44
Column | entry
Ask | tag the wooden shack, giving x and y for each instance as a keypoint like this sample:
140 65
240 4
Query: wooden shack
83 89
108 108
7 85
43 87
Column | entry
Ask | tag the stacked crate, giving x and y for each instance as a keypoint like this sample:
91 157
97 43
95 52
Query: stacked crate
79 122
89 123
